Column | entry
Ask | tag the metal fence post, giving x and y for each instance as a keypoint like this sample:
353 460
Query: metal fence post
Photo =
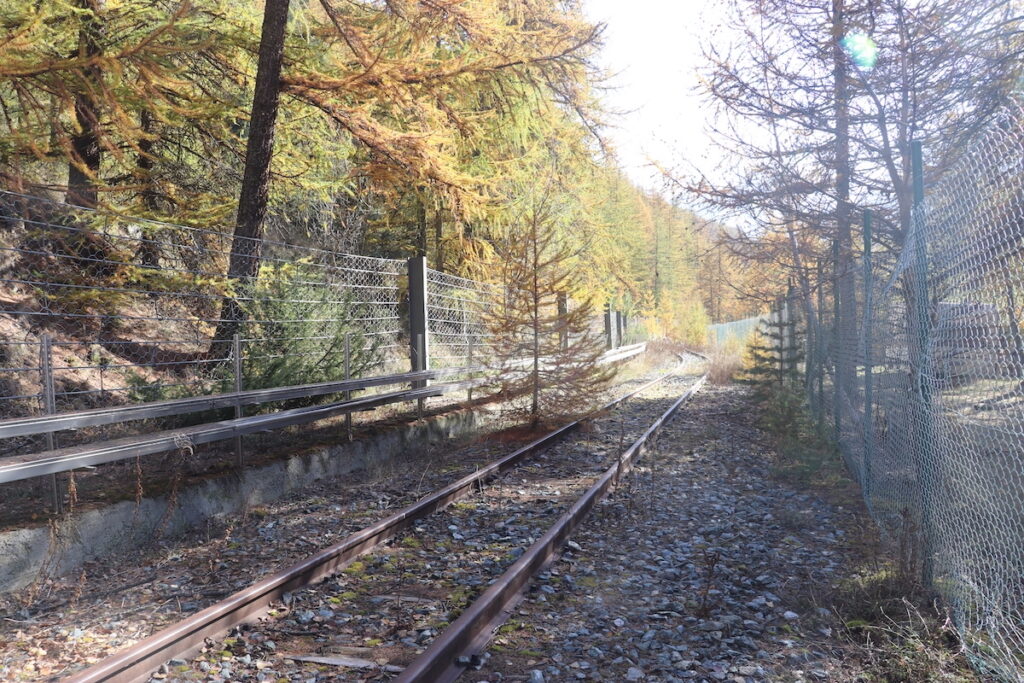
780 332
618 329
418 316
788 330
821 342
922 388
50 408
869 424
236 357
563 312
837 383
810 353
348 375
419 346
608 326
471 337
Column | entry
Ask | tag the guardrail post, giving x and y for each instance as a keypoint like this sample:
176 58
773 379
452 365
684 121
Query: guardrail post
609 342
869 424
618 329
348 376
50 408
236 359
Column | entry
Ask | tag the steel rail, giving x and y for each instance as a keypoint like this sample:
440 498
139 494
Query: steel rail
187 636
442 661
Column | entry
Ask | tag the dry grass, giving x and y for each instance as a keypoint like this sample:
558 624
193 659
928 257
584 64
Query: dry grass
726 361
890 627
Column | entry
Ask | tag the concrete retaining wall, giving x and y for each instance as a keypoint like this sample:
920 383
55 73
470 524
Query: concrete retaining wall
92 534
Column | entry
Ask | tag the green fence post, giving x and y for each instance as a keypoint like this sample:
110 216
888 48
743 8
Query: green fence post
869 426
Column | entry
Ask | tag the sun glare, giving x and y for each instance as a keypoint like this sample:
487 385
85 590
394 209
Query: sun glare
861 49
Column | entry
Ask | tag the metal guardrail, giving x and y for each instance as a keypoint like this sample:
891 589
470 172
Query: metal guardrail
104 416
17 468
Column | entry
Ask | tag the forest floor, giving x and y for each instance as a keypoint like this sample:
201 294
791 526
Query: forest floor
724 562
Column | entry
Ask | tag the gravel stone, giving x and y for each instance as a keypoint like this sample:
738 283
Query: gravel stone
682 571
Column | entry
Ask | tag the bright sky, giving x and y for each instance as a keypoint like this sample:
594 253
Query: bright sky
652 49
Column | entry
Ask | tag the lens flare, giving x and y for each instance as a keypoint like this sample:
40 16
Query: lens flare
862 49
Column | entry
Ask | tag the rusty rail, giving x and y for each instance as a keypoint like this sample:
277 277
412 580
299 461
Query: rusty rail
468 636
186 637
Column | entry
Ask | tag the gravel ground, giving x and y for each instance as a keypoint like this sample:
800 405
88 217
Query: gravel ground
385 609
702 568
389 605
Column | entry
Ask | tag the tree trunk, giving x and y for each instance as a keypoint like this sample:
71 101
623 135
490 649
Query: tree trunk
847 322
84 165
252 200
148 252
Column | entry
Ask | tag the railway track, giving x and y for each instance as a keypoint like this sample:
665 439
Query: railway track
423 606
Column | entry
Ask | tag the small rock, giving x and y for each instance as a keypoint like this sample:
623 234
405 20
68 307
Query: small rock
635 674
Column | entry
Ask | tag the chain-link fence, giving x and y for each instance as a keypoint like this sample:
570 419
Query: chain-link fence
457 333
99 310
737 332
925 389
115 327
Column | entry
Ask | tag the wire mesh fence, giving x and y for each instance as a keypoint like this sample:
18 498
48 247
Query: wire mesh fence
736 332
99 310
924 387
456 330
120 333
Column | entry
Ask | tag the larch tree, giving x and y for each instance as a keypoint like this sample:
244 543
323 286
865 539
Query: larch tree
252 201
549 350
819 102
